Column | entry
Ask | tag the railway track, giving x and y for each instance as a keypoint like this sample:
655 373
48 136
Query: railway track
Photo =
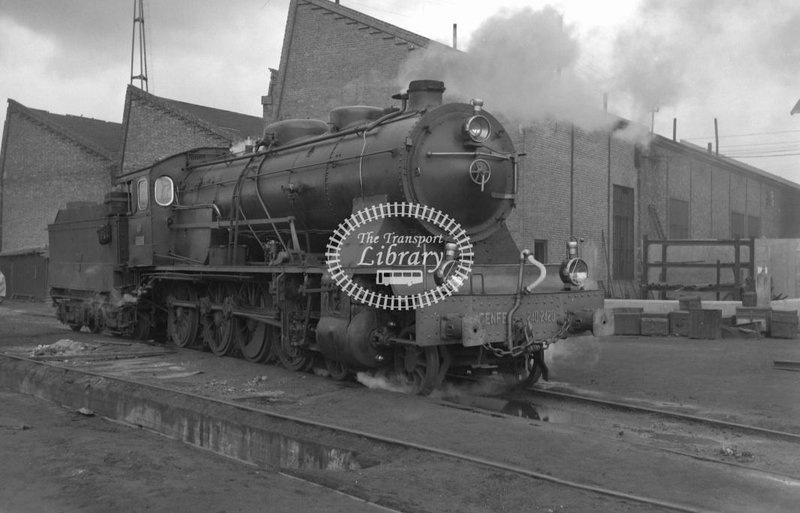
457 458
520 468
622 405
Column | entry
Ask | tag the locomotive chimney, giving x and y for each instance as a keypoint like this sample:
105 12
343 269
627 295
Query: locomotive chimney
423 94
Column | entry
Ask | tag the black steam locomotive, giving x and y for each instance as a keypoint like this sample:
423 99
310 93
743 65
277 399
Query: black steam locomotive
374 240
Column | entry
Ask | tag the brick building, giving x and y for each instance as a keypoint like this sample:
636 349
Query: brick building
590 185
155 127
48 160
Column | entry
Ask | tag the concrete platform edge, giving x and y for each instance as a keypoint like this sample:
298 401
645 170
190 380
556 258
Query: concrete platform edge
227 429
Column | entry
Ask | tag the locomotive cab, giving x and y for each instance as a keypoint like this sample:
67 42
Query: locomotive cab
155 207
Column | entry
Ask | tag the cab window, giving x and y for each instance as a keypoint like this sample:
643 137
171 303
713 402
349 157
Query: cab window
164 192
142 194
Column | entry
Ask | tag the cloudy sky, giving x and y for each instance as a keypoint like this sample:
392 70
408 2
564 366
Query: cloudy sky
736 61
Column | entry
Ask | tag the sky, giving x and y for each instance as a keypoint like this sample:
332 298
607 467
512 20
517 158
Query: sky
729 64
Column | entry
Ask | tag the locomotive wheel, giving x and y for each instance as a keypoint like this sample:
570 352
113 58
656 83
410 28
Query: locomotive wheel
141 327
182 322
338 370
522 373
287 342
418 368
252 337
218 332
96 323
292 357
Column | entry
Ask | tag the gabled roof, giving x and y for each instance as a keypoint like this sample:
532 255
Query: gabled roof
361 18
732 164
357 21
97 136
226 124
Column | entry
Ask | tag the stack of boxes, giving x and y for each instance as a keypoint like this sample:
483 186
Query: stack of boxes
693 321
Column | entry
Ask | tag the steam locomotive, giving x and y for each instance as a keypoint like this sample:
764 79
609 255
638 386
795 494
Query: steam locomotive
374 241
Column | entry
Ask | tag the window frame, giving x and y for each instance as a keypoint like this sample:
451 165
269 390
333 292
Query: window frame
142 194
679 219
158 188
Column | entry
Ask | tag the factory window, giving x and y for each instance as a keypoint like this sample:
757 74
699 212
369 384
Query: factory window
678 219
623 245
753 226
142 194
540 250
164 191
737 225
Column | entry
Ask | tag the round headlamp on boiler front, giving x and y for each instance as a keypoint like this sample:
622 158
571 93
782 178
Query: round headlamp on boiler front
574 272
478 129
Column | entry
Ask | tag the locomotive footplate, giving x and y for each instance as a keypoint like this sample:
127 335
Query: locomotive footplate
480 320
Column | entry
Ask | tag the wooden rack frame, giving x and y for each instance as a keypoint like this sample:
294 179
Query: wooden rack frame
738 265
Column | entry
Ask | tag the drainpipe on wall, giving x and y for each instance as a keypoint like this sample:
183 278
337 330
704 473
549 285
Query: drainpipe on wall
572 181
3 151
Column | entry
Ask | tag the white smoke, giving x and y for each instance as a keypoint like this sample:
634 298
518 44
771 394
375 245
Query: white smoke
379 380
523 64
580 351
693 60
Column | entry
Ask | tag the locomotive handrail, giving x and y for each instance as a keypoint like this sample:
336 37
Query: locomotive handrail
525 255
212 206
489 154
332 135
513 157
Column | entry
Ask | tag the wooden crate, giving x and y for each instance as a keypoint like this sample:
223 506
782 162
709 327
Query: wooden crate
784 324
627 321
705 324
679 323
760 316
689 303
655 325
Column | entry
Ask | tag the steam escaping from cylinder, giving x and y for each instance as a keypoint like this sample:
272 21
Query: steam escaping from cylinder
381 381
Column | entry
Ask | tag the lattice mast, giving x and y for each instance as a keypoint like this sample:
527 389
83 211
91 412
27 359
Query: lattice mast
138 28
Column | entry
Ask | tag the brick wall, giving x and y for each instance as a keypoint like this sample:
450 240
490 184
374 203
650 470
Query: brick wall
714 189
155 133
543 200
44 171
700 202
564 166
333 60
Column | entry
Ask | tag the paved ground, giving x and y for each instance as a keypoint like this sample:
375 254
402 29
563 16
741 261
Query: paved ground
724 378
54 460
733 379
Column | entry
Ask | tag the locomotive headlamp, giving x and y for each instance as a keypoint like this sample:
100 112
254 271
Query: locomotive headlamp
573 270
478 128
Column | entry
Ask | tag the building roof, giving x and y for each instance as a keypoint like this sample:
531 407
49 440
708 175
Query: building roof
356 20
360 18
97 136
736 165
232 126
